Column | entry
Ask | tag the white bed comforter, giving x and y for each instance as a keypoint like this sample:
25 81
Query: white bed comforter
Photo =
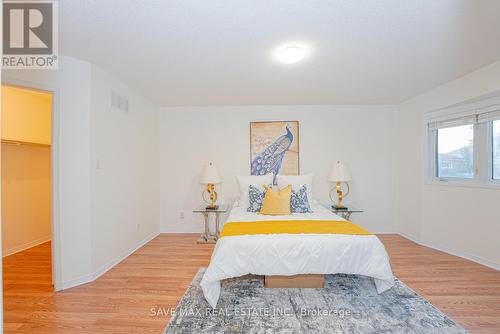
293 254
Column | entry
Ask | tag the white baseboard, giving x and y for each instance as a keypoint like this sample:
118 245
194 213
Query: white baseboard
110 264
451 251
75 282
103 269
25 246
410 237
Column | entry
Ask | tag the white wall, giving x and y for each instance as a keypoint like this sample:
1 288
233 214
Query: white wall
26 197
125 171
72 80
99 210
361 136
461 220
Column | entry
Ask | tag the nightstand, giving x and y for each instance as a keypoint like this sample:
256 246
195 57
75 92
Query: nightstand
207 237
344 213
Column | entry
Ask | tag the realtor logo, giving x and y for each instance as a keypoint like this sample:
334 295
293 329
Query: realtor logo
29 34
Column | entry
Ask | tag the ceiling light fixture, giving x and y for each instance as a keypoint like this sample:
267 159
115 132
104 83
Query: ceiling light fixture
291 54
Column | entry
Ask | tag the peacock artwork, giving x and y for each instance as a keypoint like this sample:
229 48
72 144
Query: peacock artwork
274 148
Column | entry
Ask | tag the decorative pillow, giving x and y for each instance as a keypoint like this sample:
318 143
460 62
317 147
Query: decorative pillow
245 181
299 202
276 202
255 197
297 181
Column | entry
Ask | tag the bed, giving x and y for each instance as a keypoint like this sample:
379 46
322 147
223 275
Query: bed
294 254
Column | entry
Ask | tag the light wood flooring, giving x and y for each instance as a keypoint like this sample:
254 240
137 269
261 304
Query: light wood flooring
156 276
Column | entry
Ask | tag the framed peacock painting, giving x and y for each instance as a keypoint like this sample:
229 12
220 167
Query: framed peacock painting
274 148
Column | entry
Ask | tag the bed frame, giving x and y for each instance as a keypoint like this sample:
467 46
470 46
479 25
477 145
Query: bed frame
295 281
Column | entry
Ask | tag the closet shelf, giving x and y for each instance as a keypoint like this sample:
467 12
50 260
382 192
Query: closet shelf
19 143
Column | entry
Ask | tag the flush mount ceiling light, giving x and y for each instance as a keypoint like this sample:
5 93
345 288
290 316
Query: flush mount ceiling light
291 54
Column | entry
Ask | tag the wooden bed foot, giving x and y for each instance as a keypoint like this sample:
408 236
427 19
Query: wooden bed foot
295 281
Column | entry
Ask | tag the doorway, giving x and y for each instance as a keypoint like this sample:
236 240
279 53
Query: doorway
26 156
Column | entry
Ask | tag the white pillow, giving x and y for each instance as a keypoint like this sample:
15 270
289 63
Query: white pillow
297 181
246 181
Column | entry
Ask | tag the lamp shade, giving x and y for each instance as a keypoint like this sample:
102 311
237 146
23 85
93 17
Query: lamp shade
339 173
210 174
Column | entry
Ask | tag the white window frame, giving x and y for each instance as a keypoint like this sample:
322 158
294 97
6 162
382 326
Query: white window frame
482 143
490 152
433 159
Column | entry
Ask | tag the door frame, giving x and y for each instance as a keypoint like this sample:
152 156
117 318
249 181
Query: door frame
54 152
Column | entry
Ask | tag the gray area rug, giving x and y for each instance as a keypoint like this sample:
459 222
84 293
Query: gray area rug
347 304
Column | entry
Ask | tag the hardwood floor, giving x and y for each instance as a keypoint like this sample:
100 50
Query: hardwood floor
27 281
156 276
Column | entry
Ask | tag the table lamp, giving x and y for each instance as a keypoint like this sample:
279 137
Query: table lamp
210 177
339 174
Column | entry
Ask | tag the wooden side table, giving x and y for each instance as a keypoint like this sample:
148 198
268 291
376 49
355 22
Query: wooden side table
206 237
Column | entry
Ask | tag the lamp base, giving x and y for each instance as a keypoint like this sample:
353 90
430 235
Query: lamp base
212 207
340 207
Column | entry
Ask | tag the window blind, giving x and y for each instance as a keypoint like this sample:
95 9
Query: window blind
492 115
479 115
448 123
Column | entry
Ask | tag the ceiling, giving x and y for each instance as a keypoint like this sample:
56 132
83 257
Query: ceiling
195 52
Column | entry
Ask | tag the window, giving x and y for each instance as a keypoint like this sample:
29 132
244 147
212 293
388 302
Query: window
455 152
463 145
496 149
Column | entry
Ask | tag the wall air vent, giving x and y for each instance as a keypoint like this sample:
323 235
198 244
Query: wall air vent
118 102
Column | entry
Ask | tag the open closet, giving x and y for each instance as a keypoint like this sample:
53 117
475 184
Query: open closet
26 188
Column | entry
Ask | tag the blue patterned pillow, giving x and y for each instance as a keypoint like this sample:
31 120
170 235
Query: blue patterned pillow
255 198
299 202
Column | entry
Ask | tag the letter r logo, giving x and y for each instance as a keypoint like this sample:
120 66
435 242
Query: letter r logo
27 28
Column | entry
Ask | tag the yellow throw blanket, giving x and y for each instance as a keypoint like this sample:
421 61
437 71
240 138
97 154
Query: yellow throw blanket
292 227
